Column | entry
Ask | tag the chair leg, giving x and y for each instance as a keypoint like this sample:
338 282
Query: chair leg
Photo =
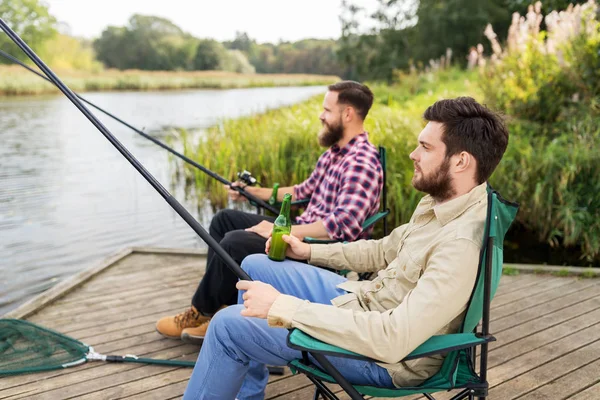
430 397
467 393
322 390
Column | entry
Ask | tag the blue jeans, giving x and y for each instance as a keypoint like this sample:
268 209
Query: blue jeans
236 349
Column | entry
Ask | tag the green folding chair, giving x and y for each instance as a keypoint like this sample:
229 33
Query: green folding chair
458 369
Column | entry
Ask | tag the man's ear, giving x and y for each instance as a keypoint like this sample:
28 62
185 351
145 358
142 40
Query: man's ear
348 114
464 161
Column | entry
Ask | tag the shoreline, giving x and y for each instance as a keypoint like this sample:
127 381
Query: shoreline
16 81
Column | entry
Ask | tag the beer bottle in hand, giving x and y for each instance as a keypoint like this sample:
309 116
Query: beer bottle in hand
281 226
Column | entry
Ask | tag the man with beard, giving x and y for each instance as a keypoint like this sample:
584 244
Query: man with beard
344 190
426 268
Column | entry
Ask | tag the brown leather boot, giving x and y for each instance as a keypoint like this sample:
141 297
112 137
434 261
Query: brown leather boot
196 334
172 327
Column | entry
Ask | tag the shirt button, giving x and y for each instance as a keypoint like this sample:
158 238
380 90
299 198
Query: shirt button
378 286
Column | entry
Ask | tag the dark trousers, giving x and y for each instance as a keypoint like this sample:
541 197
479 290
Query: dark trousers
217 287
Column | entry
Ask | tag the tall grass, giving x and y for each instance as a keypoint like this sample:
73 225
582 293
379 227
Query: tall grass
281 145
555 177
14 80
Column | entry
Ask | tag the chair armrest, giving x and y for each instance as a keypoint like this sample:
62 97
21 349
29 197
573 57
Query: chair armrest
446 343
301 202
299 340
311 240
374 218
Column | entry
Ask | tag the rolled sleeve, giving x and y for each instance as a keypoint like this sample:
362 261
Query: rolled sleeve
282 311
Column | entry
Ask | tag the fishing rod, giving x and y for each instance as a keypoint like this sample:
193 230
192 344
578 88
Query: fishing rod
179 209
256 200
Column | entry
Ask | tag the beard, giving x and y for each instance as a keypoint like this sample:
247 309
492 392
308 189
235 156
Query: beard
438 184
331 134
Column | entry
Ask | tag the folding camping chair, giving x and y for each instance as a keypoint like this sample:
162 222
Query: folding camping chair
458 369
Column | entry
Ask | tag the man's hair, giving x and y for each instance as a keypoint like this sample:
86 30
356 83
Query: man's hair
471 127
354 94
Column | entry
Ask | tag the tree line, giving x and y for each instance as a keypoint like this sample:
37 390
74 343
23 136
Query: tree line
402 35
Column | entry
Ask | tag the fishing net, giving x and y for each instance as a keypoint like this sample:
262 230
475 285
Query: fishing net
26 347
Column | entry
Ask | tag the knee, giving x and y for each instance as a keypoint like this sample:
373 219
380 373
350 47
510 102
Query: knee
218 220
234 239
254 263
225 322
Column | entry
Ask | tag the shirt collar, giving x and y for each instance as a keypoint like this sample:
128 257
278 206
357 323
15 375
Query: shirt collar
452 209
336 150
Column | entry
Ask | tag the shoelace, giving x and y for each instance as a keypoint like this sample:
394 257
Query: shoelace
182 319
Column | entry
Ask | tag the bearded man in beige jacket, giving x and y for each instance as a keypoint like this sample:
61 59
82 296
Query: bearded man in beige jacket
426 270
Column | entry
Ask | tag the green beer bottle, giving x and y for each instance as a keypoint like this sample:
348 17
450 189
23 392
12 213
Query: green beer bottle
281 226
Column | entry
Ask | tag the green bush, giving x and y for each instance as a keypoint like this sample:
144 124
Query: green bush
548 84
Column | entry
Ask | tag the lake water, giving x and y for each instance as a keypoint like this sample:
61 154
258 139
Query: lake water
68 199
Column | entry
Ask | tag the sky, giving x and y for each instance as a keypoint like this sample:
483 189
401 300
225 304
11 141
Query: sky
262 20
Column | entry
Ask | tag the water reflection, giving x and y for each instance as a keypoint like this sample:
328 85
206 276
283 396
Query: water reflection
68 199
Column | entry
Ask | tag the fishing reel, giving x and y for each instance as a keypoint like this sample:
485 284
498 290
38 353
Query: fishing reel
247 178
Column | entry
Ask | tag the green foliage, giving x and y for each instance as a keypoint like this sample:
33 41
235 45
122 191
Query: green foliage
454 24
588 274
236 61
563 272
68 53
31 20
147 43
210 55
548 83
510 271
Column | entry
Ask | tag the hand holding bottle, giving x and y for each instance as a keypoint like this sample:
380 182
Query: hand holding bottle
297 249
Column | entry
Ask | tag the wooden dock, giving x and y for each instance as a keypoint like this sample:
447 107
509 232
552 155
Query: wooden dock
548 331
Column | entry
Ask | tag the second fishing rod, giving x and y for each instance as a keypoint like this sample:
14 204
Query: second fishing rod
252 198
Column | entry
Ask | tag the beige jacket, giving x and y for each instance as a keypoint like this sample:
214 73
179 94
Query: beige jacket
426 272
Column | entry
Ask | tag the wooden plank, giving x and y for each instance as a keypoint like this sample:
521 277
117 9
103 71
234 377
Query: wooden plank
575 295
569 384
590 307
529 342
108 304
104 316
64 287
547 373
167 250
499 373
170 391
518 295
591 393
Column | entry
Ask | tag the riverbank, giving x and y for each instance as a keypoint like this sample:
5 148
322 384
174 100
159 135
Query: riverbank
15 80
536 172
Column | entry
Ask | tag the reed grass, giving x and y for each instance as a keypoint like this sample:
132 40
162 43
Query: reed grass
556 177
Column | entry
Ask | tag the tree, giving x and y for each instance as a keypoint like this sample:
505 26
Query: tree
149 43
454 24
31 20
210 55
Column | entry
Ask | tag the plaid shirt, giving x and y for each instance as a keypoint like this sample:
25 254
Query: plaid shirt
344 189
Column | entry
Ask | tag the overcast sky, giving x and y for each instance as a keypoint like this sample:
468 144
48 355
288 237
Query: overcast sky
263 20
